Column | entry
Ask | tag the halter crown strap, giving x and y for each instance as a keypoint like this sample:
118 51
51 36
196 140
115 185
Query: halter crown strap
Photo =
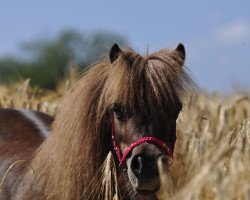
128 150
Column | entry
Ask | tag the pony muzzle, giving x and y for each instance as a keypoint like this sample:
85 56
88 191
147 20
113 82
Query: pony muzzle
142 168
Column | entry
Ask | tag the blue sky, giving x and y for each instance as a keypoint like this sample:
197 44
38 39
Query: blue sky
216 33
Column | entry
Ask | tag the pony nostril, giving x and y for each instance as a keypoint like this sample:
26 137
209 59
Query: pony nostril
136 164
164 160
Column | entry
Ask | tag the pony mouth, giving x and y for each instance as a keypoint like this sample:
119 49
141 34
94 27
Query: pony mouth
147 191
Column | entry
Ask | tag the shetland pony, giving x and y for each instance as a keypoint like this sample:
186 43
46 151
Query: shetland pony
127 104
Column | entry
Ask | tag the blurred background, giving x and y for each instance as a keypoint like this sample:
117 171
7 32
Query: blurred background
45 40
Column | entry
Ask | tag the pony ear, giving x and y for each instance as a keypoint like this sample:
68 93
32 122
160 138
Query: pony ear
114 52
181 49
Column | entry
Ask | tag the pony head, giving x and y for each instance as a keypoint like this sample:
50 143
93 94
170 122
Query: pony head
144 94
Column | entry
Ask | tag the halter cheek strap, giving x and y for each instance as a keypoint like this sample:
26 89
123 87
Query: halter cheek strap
128 150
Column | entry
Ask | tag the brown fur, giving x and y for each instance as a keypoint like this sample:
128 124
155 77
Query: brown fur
67 163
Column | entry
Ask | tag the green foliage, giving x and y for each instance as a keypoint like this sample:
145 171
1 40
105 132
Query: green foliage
49 60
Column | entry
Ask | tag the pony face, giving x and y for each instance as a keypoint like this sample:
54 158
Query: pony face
145 98
141 162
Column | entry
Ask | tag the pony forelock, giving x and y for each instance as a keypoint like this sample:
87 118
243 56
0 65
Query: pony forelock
146 84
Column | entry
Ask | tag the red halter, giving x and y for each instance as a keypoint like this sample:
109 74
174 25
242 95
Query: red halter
122 158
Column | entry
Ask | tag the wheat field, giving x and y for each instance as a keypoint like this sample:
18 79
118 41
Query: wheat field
212 153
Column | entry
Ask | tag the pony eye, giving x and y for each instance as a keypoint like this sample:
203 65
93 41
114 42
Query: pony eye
118 111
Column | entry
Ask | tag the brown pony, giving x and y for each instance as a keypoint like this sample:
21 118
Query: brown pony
126 99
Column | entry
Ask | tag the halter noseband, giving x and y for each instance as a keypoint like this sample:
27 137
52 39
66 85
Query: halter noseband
128 150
